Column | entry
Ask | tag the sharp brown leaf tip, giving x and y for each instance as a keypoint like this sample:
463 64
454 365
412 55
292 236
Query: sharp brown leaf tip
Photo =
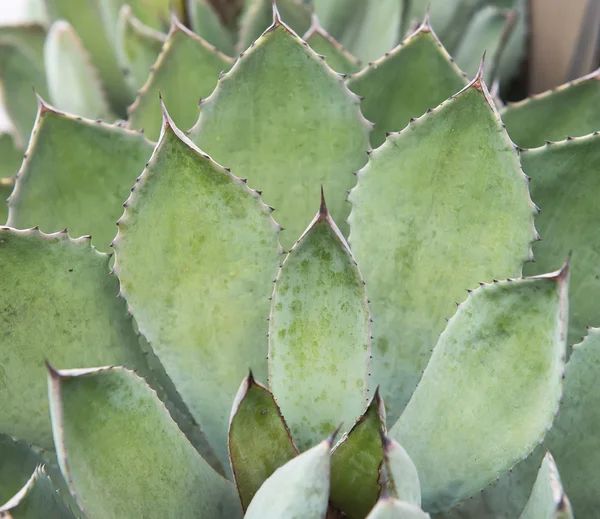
334 434
52 371
323 211
276 15
250 377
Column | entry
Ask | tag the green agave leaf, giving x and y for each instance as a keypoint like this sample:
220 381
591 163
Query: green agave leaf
392 508
488 31
76 174
403 479
505 498
304 129
571 110
440 206
123 456
414 77
259 15
206 23
298 489
356 463
259 439
516 45
319 333
338 58
85 17
152 13
73 83
574 436
548 500
186 70
570 163
86 326
137 47
196 254
17 462
21 68
36 500
491 389
10 156
367 29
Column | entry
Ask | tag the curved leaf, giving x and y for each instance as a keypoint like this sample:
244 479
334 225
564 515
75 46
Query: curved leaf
58 302
76 174
186 70
281 117
403 478
414 77
73 83
298 489
319 334
196 254
440 207
491 389
123 456
259 439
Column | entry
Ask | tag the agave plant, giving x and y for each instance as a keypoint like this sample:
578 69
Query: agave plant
441 206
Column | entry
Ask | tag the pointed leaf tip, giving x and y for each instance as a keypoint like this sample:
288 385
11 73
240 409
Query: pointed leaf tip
276 16
53 373
333 435
323 211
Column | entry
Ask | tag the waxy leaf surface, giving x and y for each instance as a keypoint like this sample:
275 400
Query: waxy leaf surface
441 206
392 508
491 389
403 478
206 23
338 58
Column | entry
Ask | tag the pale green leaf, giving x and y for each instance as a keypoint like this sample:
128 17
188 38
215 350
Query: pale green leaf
196 254
58 303
152 13
22 71
282 118
491 389
338 58
403 478
205 22
85 17
413 78
137 47
186 71
564 183
440 207
259 439
10 156
77 174
574 436
547 500
319 334
17 462
367 29
38 499
73 83
258 16
356 463
488 31
571 110
298 489
392 508
123 455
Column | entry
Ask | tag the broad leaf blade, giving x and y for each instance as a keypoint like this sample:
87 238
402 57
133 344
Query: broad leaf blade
392 508
186 70
319 334
60 303
491 389
205 22
411 79
73 83
137 47
403 478
123 455
441 206
356 463
298 489
548 500
85 16
574 436
571 110
196 254
338 58
77 174
37 499
564 183
259 439
285 120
